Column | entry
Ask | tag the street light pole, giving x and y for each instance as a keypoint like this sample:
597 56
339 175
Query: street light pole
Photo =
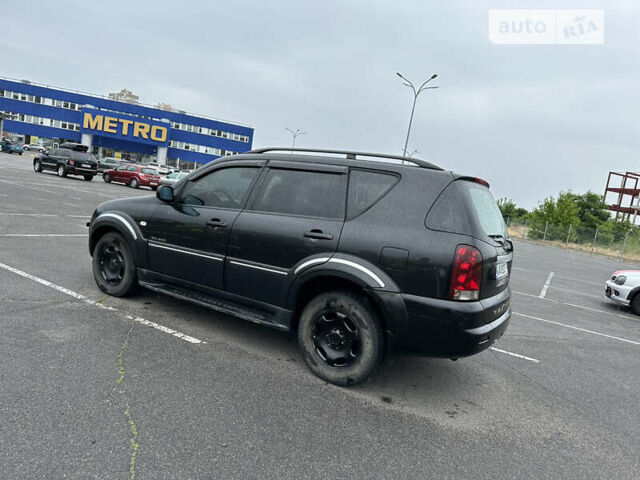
416 92
295 134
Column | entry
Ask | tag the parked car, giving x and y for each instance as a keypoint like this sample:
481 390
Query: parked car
133 175
33 147
10 147
357 256
109 163
68 159
623 288
173 177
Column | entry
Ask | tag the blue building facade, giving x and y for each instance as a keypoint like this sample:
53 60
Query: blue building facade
113 128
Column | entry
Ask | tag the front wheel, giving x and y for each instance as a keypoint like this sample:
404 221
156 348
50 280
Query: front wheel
88 178
106 178
635 304
341 337
62 171
114 268
37 166
134 183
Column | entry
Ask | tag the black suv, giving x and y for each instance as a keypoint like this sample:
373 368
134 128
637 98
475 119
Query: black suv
68 159
357 256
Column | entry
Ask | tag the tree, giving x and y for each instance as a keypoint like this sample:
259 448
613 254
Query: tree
509 209
593 211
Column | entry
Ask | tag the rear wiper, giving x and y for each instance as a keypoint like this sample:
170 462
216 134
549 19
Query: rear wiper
508 244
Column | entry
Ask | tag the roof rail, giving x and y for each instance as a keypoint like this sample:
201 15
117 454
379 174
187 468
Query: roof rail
351 155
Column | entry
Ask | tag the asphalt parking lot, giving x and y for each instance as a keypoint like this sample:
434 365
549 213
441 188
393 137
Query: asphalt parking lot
99 387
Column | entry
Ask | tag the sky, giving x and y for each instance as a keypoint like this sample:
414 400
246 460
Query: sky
533 120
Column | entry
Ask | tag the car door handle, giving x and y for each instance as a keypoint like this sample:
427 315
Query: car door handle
216 222
318 235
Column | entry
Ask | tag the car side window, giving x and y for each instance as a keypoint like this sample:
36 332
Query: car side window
132 169
54 152
225 188
305 193
366 187
121 168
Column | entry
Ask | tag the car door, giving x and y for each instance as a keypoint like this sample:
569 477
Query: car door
297 211
188 237
49 161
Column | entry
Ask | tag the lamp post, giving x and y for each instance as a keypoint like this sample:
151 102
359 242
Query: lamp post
295 134
416 92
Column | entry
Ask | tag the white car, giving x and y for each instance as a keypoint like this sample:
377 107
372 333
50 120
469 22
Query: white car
37 148
622 288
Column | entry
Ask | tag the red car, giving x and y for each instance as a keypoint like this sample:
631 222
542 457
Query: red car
133 175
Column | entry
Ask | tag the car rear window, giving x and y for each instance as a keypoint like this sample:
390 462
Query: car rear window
467 208
81 155
366 188
487 211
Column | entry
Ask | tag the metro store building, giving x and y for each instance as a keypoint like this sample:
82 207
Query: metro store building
112 128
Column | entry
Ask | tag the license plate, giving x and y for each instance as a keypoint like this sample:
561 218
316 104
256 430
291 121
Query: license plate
86 165
501 270
153 183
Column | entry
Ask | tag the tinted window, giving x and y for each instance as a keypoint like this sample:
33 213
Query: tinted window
224 188
82 156
296 192
54 152
487 211
132 169
366 188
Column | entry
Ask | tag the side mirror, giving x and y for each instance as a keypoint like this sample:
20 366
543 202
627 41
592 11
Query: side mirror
165 193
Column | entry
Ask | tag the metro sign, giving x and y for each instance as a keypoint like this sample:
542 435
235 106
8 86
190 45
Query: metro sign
124 127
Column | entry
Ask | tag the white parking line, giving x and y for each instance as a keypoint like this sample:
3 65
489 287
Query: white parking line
543 292
78 296
602 311
576 292
43 234
534 296
517 355
578 328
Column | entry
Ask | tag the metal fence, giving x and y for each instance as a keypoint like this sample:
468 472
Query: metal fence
622 243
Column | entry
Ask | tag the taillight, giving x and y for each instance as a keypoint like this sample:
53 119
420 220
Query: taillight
72 161
466 274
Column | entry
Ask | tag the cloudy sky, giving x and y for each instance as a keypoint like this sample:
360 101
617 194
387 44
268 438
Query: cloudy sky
531 119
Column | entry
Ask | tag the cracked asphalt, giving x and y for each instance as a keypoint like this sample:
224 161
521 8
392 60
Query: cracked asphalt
87 392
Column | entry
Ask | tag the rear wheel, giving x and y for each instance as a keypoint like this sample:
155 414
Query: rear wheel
88 178
106 178
62 171
134 183
635 304
114 268
37 166
341 337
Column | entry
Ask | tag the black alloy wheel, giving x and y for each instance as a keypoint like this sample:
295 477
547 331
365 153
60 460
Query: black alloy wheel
335 338
114 268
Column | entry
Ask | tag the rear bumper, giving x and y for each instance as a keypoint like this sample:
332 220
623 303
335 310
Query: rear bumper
444 328
81 171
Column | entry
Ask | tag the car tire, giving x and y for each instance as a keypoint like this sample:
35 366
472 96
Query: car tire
106 178
154 188
114 268
341 337
134 183
88 178
62 171
37 166
634 304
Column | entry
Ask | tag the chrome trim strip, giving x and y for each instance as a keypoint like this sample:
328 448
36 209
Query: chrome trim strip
257 267
359 267
122 219
308 263
180 250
